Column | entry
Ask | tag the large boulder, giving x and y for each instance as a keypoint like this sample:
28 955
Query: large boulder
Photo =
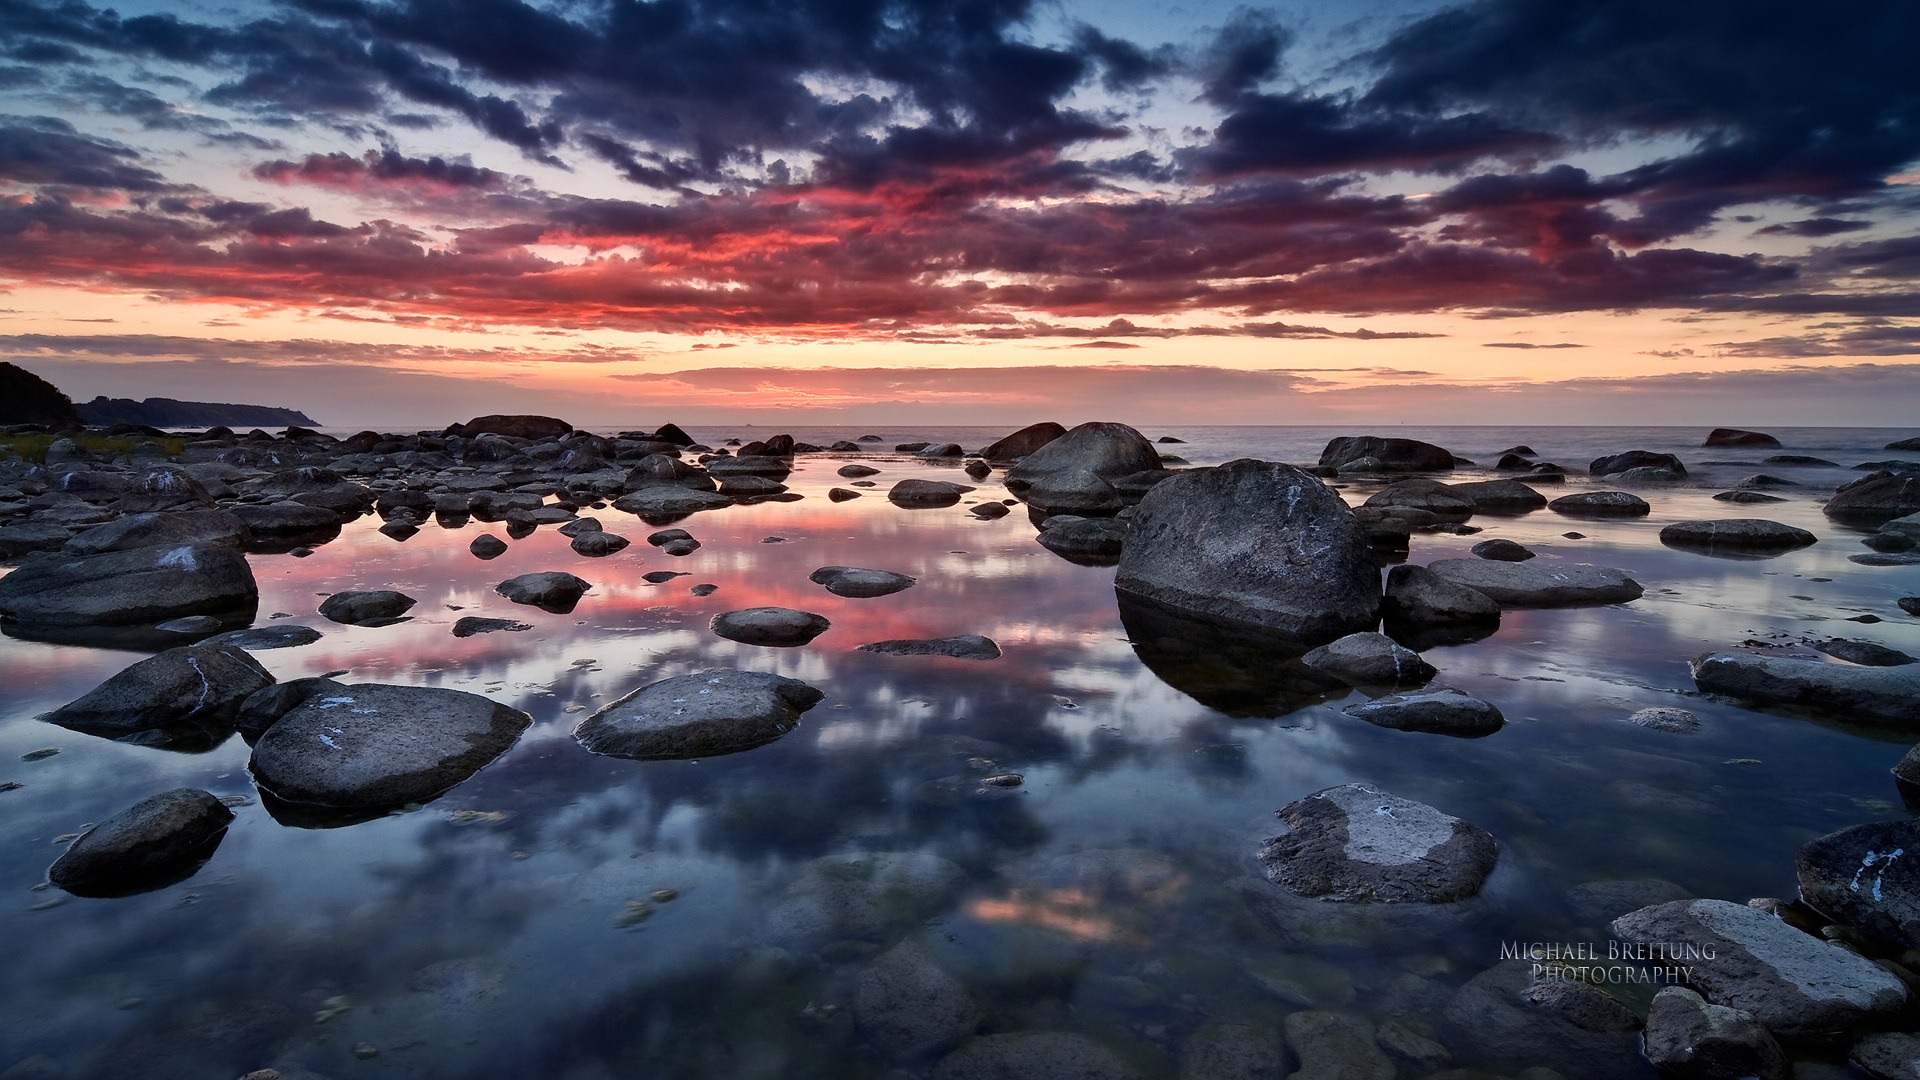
1537 584
1793 983
659 504
1637 459
705 714
1089 541
513 426
777 627
923 494
1073 491
138 587
372 746
1422 494
1510 1019
1370 659
552 590
1419 598
959 647
1888 694
181 694
158 529
1023 442
1601 504
1357 844
858 581
1500 496
1736 437
1867 877
1372 453
1255 543
910 1007
153 843
366 607
1440 710
285 523
1876 498
1689 1039
1736 537
1109 451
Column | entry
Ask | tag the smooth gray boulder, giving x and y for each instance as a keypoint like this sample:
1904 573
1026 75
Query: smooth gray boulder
1866 877
1357 844
258 638
776 627
1421 494
1255 543
1029 1055
1637 459
155 529
1073 491
1876 498
962 646
284 521
598 544
373 746
1419 597
1864 653
1107 450
141 586
705 714
153 843
264 707
1737 537
187 691
1539 584
487 546
1509 1019
854 581
1372 453
368 607
1670 720
1601 504
1889 694
1095 541
550 590
1888 1055
469 625
1370 659
926 494
1023 442
1501 551
1688 1038
1795 984
910 1007
1739 437
863 896
1440 710
29 536
659 504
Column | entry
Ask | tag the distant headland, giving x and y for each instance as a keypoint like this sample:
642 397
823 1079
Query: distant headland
26 398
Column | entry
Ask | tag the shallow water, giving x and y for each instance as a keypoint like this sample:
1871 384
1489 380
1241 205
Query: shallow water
494 931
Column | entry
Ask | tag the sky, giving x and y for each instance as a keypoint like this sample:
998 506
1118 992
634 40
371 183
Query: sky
401 213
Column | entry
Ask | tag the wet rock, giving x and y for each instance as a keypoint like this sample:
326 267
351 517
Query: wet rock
667 470
664 537
1500 496
1356 844
1371 453
1806 461
264 707
705 714
1256 543
1233 1052
776 627
372 607
993 510
156 529
373 746
1795 984
1503 1019
1533 584
854 581
911 1008
1689 1039
1370 659
1336 1046
1073 491
977 469
1888 1055
1089 541
141 586
856 471
660 504
1737 437
1438 710
28 537
1864 653
487 546
863 896
918 494
1672 721
1023 442
185 693
1875 499
771 467
285 522
840 494
1055 1054
1890 694
518 426
552 590
155 842
1637 459
598 544
1418 597
469 625
1736 537
1501 551
1430 495
704 589
963 647
1867 877
1749 497
750 487
1600 504
258 638
1106 450
940 450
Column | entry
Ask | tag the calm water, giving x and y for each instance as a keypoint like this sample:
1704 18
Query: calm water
493 932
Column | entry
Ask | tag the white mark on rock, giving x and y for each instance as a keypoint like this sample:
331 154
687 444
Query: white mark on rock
180 558
1885 861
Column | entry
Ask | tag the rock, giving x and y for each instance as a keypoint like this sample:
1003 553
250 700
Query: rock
1736 537
1532 584
993 511
469 625
264 707
284 523
1106 450
1672 721
169 529
1736 437
1439 710
776 627
1889 694
660 504
680 548
1336 1046
142 586
258 638
856 471
1501 551
598 544
977 469
553 590
940 450
1864 653
918 494
1073 491
909 1007
188 694
1371 453
1056 1055
373 746
1867 877
513 426
1370 659
840 494
1637 459
750 487
1088 541
1506 1019
1888 1055
200 625
856 582
1355 844
775 468
1795 984
1418 597
1876 498
1600 504
373 607
1909 604
487 546
1748 497
1233 1052
1023 442
1801 461
667 470
1430 495
1500 496
668 536
155 842
700 715
963 647
27 537
863 896
1257 543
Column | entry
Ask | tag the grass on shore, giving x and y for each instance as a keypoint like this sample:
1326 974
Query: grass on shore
34 447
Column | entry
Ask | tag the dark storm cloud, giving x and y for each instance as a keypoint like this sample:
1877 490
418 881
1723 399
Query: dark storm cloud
43 150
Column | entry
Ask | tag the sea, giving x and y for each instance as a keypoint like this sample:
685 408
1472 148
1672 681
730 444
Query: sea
851 901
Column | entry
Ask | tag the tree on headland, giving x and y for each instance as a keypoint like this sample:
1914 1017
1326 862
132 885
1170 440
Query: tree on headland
26 398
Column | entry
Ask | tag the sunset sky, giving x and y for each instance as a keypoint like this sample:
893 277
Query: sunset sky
969 211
